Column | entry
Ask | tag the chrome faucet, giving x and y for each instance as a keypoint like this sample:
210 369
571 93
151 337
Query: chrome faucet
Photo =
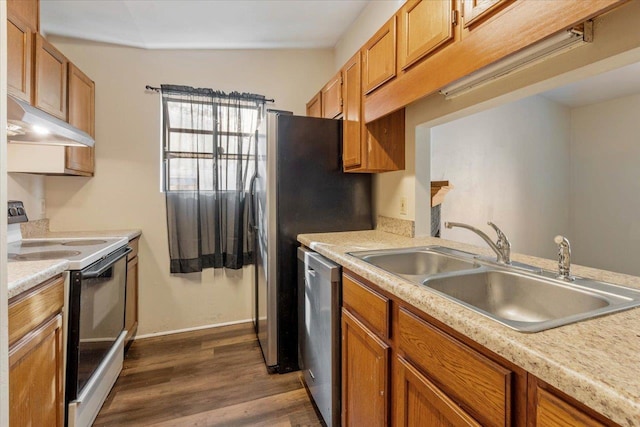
502 247
564 258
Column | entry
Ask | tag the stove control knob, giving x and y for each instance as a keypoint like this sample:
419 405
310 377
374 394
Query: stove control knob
13 212
20 211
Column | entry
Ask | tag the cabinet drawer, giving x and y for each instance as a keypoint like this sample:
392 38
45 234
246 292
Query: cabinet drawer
29 309
133 244
480 386
369 305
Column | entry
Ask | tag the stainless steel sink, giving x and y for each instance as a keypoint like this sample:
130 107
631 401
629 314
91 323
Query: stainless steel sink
418 263
530 302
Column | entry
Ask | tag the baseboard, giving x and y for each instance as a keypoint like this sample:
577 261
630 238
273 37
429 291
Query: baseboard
195 328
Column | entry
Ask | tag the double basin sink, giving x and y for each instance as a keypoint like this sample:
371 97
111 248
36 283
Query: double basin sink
523 297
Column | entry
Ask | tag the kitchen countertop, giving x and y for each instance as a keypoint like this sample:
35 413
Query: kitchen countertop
129 234
24 275
596 361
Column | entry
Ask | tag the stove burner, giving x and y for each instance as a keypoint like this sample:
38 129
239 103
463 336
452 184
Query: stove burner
44 255
38 244
83 242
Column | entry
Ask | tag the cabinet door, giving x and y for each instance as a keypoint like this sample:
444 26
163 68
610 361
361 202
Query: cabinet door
365 366
332 97
131 300
81 103
314 106
352 127
19 59
36 377
477 10
50 91
379 57
26 11
419 402
424 26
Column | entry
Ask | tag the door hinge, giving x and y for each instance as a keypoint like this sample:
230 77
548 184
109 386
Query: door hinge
341 102
454 17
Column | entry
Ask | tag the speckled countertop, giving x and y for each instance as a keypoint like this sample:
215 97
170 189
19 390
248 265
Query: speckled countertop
129 234
596 361
24 275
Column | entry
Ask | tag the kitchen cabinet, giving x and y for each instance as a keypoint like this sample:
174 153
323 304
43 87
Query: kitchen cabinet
331 95
377 147
50 79
19 57
424 27
379 57
314 106
549 408
131 298
27 11
81 104
36 357
475 11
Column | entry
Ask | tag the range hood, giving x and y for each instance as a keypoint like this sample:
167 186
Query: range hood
29 125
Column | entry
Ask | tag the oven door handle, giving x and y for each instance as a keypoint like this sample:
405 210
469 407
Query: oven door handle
92 274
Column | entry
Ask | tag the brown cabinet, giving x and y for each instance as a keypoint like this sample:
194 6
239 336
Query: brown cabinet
379 57
352 115
27 11
19 58
421 403
50 79
36 374
81 103
424 27
314 106
332 97
131 298
475 11
365 375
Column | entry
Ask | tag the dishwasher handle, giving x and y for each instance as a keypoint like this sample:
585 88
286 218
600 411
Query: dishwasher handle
316 264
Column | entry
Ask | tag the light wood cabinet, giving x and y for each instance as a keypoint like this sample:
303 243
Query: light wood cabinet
379 57
332 97
548 408
81 104
424 27
36 357
365 375
421 403
352 126
50 79
19 58
131 298
27 11
314 106
475 11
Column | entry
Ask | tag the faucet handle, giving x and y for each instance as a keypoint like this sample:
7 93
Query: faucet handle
564 257
503 241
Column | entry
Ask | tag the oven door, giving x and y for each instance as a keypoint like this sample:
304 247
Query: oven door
96 330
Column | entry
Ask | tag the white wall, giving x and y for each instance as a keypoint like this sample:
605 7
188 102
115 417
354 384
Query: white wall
509 165
125 190
29 189
605 185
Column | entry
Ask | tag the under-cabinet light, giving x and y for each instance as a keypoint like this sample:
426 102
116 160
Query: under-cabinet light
527 57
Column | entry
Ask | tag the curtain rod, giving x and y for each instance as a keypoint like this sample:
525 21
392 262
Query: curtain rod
157 89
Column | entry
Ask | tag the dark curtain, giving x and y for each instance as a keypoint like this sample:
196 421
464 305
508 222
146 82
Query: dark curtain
209 150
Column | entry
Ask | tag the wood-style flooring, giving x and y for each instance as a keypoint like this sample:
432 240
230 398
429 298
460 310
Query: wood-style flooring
212 377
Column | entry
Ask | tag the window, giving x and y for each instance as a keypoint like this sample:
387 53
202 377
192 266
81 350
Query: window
208 143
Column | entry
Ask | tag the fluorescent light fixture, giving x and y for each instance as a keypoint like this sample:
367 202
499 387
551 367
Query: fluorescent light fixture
40 130
527 57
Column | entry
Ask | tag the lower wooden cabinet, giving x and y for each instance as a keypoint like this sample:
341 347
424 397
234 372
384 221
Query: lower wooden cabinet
365 375
36 357
131 298
419 402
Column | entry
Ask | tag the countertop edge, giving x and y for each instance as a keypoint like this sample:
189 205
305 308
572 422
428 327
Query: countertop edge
24 275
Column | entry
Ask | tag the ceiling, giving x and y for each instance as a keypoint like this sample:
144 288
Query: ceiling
623 81
191 24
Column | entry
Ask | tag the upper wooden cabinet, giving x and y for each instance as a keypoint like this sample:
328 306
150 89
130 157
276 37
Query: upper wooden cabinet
379 57
50 79
19 58
81 102
27 11
475 11
352 127
314 106
425 25
332 97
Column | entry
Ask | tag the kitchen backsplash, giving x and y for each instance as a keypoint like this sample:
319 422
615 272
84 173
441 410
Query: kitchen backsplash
401 227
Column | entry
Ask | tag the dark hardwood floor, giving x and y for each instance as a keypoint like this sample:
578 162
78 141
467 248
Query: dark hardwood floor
213 377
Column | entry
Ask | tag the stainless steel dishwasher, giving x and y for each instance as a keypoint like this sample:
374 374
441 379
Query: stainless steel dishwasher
319 300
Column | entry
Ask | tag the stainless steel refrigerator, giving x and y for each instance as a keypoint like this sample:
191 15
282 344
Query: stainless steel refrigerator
299 188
